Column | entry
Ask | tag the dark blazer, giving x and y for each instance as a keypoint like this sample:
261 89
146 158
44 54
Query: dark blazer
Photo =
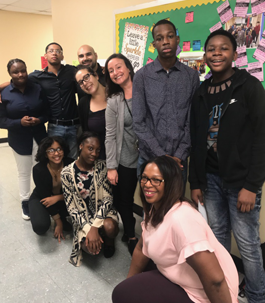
43 182
15 105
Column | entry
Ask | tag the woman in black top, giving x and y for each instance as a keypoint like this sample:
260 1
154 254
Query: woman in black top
47 198
92 106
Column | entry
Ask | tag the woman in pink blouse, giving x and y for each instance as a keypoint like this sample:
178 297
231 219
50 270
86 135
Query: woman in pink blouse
192 266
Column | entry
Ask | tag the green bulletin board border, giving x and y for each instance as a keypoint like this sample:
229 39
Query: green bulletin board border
205 16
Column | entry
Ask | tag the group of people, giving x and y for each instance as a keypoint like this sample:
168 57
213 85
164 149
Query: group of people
146 124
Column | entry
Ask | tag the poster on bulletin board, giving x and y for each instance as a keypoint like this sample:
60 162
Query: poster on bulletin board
134 43
195 20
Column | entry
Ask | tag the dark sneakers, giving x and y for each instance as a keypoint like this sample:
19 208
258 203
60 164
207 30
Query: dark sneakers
25 210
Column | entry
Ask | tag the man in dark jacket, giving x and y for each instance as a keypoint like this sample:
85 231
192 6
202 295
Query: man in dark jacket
227 163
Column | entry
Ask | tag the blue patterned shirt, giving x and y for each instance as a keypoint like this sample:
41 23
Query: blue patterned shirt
161 109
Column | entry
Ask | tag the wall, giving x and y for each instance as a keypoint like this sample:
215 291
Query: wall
23 36
80 24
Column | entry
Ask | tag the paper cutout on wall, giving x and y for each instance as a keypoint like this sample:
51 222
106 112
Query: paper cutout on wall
134 42
256 69
216 27
149 60
260 51
241 8
44 62
186 46
151 48
178 51
196 45
257 7
242 58
225 12
189 17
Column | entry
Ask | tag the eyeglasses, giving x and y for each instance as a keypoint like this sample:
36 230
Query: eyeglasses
85 79
153 181
56 51
53 151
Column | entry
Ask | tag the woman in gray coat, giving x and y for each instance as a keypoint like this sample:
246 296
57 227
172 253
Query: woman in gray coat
120 143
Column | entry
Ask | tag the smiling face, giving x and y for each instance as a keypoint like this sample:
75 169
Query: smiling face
153 194
57 156
18 73
219 55
165 41
87 56
119 72
54 55
90 150
91 85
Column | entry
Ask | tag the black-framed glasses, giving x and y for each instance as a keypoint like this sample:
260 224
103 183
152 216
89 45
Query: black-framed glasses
56 51
85 79
153 181
53 151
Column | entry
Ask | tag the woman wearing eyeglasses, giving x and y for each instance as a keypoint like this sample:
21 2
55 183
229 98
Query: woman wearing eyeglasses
192 266
23 112
121 141
92 106
47 197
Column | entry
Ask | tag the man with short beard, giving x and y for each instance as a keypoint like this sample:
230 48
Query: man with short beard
59 85
87 56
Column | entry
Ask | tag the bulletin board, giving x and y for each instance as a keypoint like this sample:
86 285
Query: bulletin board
205 16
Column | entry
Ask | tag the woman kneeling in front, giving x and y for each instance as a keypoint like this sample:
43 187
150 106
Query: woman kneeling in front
88 199
192 266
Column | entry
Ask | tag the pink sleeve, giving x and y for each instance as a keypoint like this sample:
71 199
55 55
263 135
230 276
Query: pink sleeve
192 249
144 250
190 235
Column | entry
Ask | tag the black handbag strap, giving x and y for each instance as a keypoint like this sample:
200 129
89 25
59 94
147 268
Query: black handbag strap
128 107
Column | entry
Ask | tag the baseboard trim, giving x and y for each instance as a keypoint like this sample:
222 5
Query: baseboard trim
3 140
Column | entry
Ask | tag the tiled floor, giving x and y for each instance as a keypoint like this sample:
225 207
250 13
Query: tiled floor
36 269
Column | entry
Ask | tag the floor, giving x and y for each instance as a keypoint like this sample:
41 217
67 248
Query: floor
36 269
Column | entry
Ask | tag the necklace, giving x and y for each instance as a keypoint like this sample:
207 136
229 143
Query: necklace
55 172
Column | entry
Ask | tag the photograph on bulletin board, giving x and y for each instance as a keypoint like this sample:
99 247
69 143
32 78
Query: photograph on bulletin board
246 30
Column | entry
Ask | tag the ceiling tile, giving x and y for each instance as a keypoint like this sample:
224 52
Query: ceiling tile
8 1
33 4
27 6
18 9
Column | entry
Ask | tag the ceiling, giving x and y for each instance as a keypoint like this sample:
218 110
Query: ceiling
27 6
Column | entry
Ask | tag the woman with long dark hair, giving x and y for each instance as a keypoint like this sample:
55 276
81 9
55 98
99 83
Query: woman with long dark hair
88 198
192 266
23 112
121 148
92 106
47 198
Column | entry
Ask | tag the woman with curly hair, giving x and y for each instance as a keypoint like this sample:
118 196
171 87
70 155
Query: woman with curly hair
47 197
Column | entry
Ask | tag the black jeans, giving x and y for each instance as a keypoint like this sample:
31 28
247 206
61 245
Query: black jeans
40 216
123 197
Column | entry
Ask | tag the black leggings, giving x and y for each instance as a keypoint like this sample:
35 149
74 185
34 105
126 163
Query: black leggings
123 197
40 217
149 287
